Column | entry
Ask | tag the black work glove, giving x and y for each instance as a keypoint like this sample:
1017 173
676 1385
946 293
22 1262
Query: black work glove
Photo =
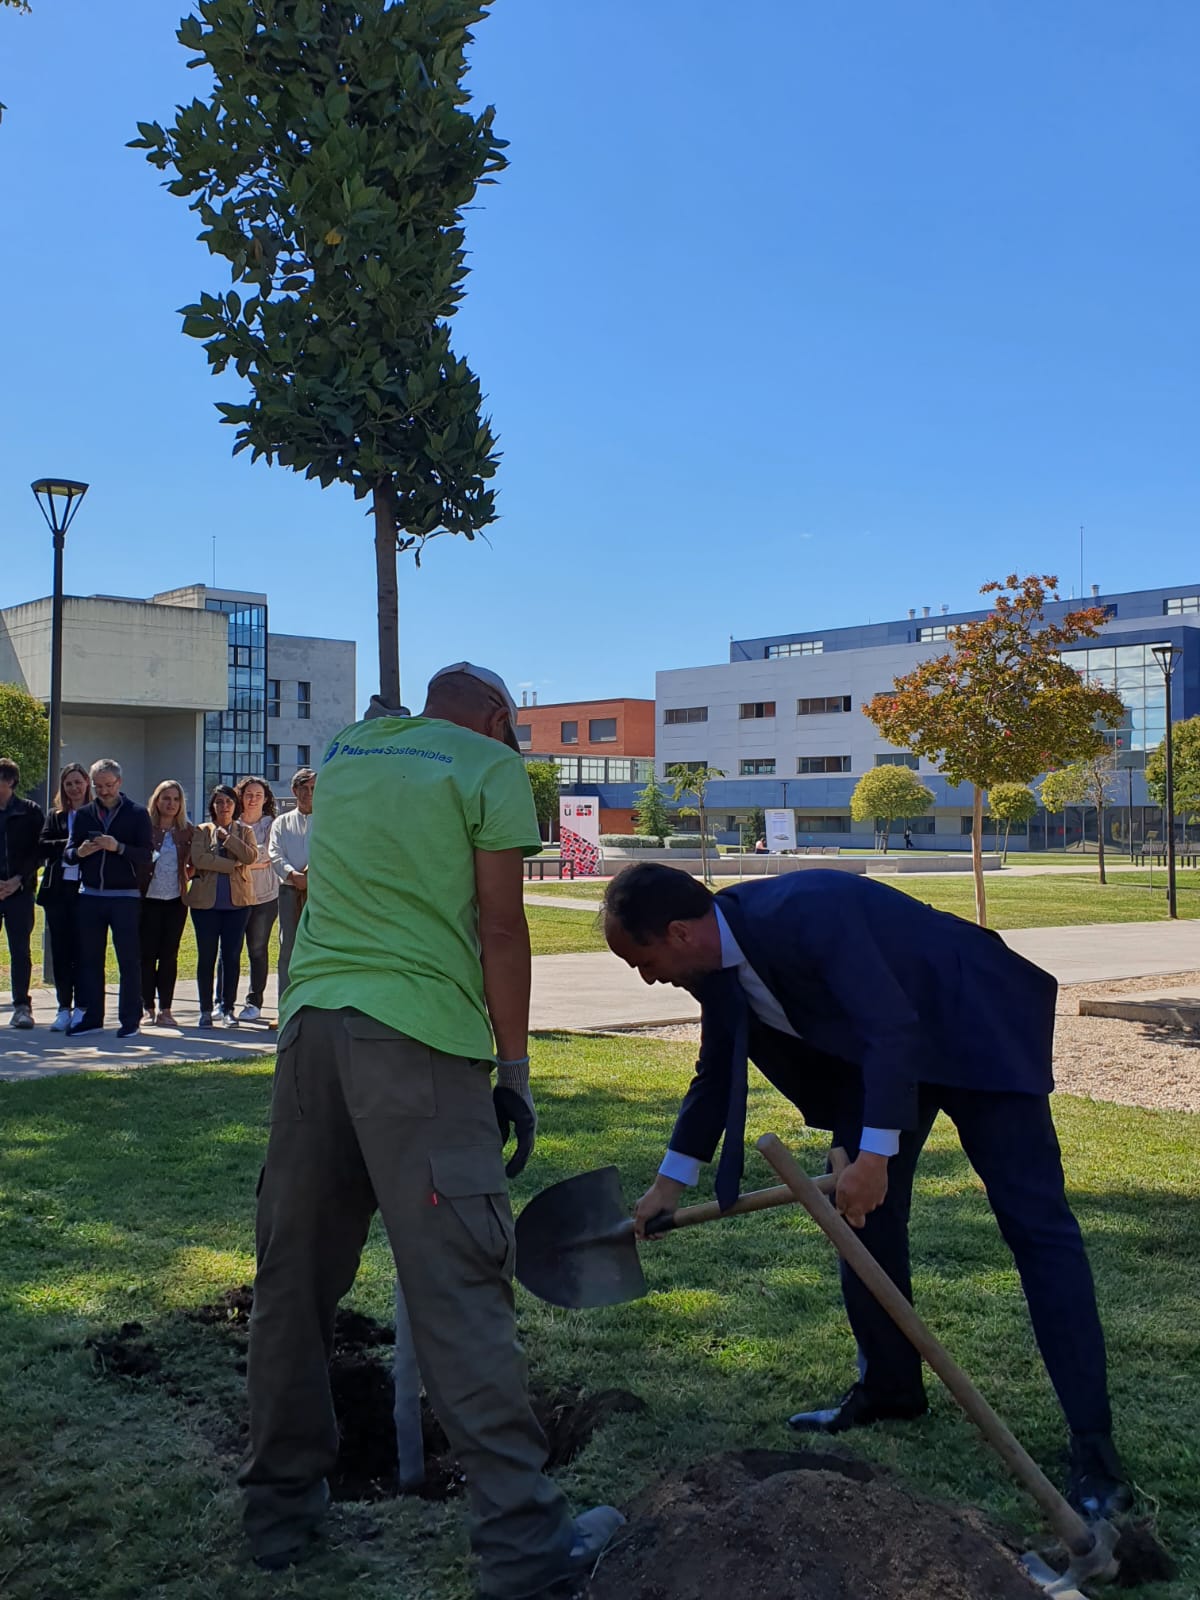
515 1112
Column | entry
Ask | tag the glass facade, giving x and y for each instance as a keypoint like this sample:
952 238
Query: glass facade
805 647
235 740
1132 671
604 769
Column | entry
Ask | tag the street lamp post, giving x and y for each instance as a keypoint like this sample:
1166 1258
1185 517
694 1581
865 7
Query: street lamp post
1166 656
59 499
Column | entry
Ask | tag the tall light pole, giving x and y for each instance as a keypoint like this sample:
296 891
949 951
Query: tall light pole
59 499
1166 655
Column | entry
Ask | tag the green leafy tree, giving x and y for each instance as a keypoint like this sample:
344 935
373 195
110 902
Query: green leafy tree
1091 782
24 734
1185 764
650 817
543 780
1012 802
887 794
1001 705
331 166
691 781
754 828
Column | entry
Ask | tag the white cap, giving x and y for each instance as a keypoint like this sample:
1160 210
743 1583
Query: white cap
493 681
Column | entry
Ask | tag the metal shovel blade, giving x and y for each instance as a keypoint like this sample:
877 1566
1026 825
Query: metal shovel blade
575 1243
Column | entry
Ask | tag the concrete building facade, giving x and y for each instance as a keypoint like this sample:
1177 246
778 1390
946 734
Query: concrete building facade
177 686
783 720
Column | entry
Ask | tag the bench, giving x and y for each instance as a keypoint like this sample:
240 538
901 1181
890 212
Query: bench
535 867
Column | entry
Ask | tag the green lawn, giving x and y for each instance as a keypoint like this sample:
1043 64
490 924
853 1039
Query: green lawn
551 933
130 1197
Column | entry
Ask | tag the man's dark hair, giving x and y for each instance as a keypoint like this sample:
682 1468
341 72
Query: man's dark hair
10 772
645 899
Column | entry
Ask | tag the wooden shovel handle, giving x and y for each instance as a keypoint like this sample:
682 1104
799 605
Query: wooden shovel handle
758 1200
1069 1526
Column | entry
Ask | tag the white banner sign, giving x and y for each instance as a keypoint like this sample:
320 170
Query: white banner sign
579 833
781 830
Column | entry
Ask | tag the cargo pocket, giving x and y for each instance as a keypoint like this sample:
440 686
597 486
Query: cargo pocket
285 1086
390 1075
471 1180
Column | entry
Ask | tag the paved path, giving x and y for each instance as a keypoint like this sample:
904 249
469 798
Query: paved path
591 990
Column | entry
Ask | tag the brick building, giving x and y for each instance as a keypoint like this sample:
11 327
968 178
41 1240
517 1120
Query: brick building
596 744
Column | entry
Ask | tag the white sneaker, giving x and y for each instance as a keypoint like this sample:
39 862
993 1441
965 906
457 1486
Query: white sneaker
228 1018
76 1016
62 1021
249 1014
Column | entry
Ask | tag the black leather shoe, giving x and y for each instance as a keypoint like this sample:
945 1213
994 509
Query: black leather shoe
858 1409
1096 1481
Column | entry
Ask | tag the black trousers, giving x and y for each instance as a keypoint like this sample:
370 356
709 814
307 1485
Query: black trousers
221 931
161 930
16 914
62 925
98 916
258 945
1010 1141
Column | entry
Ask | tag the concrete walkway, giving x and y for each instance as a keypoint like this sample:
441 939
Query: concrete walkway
573 992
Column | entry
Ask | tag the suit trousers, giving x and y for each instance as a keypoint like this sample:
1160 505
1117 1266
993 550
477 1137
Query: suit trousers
99 915
1010 1141
365 1118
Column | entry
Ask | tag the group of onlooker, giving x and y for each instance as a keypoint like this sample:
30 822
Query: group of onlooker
113 868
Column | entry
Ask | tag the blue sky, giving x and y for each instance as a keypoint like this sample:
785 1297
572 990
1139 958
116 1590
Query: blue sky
787 315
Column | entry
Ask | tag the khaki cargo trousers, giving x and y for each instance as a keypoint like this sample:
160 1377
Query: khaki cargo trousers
363 1117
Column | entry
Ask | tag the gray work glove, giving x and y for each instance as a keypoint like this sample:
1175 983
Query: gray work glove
515 1111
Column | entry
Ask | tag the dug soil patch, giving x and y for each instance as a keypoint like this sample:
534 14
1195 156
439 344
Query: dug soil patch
199 1357
801 1525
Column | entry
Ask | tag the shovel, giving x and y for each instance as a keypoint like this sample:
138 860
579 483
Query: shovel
575 1241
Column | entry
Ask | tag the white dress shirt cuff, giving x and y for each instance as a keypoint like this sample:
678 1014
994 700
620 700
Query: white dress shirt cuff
684 1169
880 1141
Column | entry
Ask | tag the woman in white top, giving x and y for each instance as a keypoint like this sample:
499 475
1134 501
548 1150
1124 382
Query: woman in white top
164 909
258 813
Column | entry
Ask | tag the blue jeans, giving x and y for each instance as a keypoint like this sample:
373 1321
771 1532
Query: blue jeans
224 931
97 916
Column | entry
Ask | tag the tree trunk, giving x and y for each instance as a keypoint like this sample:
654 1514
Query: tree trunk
887 828
1100 838
704 868
977 855
387 592
1007 831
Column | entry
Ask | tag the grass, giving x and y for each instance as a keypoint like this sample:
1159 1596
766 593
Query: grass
551 932
130 1197
1012 902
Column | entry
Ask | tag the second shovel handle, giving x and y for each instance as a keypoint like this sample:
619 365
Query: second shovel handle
758 1200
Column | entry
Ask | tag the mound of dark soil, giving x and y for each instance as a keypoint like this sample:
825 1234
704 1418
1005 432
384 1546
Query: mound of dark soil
360 1375
799 1525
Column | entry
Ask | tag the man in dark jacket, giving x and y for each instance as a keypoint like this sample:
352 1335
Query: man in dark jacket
872 1012
111 842
20 829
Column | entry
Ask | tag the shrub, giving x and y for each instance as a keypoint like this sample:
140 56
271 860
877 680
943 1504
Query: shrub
688 841
629 841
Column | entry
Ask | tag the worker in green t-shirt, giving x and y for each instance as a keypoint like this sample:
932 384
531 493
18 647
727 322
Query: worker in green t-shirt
409 976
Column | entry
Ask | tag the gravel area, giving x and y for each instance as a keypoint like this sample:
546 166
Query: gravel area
1099 1058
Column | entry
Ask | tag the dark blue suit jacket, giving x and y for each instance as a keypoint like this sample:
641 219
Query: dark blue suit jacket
886 994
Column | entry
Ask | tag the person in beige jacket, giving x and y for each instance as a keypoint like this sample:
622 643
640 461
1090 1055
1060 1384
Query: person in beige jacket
219 898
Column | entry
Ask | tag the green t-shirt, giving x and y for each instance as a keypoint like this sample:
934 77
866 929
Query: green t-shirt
390 925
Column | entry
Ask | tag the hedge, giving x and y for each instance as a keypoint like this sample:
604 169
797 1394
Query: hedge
630 841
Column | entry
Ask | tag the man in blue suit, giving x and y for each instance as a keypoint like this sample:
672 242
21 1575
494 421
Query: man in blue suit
872 1012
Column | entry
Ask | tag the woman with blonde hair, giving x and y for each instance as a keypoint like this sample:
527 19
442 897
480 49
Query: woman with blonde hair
164 910
220 898
59 890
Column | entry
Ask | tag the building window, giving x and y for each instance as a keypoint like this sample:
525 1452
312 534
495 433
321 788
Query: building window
304 755
909 761
568 732
811 764
272 697
602 730
934 630
241 655
679 714
568 769
804 647
764 768
810 825
591 769
619 771
304 701
1131 672
643 769
524 733
991 826
753 709
822 704
686 766
272 763
1181 605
